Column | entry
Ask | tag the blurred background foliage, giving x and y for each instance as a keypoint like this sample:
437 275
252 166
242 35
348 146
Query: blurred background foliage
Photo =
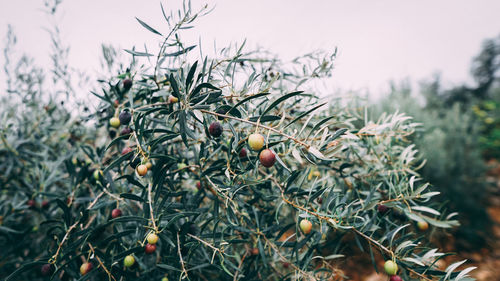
459 135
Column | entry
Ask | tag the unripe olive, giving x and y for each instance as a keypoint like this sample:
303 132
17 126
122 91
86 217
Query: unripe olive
152 238
390 267
305 226
256 142
114 122
129 261
97 174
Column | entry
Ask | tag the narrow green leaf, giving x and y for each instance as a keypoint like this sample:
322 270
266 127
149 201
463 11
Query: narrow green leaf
280 100
148 27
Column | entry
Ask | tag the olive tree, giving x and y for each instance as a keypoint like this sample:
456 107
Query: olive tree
230 168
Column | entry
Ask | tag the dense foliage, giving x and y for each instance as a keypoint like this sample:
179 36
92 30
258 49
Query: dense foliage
227 168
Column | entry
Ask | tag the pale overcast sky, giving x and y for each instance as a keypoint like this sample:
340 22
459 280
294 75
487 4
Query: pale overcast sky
377 40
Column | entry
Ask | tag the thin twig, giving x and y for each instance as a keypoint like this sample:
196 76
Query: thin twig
277 251
110 276
151 208
239 266
184 272
53 259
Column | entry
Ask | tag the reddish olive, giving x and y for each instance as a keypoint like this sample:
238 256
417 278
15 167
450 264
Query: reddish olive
172 99
125 131
254 251
215 129
127 84
395 278
382 209
31 203
126 150
267 158
116 213
47 269
150 248
85 268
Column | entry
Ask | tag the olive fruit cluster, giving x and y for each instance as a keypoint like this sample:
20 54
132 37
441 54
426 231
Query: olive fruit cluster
152 239
123 119
255 141
266 157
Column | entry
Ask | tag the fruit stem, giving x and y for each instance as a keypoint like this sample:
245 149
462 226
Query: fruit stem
206 243
151 208
53 259
139 146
